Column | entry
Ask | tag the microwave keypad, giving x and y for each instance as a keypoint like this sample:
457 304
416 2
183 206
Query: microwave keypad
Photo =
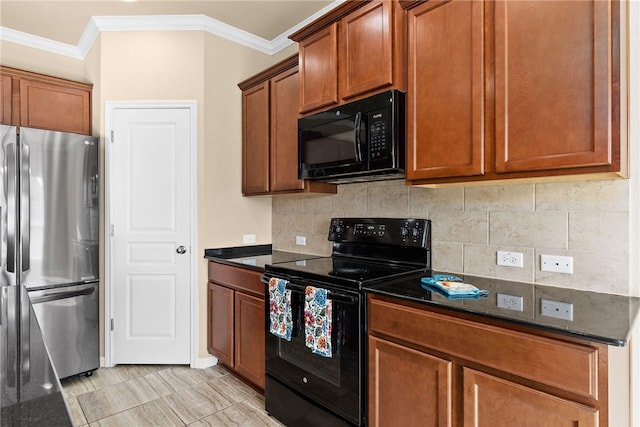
378 141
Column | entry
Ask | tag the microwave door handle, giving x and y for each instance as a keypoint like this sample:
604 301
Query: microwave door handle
356 140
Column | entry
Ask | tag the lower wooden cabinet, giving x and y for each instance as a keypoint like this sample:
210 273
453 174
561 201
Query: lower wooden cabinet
236 320
492 401
401 377
429 368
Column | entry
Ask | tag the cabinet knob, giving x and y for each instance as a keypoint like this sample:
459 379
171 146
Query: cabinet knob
181 249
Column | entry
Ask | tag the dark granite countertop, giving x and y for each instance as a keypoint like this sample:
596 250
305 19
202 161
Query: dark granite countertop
31 394
253 257
598 317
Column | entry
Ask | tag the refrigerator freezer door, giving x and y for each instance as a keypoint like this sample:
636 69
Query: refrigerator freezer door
59 207
68 317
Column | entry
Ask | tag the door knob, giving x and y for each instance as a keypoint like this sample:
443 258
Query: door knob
181 249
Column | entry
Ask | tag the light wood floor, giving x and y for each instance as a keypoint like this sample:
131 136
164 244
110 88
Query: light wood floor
142 395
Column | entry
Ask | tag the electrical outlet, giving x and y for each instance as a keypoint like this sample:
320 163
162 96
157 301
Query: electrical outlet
557 309
248 238
301 240
510 259
556 264
511 302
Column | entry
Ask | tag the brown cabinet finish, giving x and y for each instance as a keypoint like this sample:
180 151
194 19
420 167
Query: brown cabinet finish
492 401
5 99
249 339
255 139
564 378
319 69
370 47
237 320
354 51
402 377
284 136
553 85
445 101
513 90
270 133
220 313
44 102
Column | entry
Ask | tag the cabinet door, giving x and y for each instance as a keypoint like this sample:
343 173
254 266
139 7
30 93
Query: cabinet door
553 84
284 132
5 99
255 139
54 107
408 387
491 401
318 56
250 327
366 49
445 98
221 332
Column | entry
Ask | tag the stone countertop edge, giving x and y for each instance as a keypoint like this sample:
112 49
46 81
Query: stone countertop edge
611 324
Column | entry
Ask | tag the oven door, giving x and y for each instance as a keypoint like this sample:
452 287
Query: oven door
336 382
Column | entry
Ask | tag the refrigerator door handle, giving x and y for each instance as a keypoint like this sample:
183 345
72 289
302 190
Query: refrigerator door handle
61 295
25 206
11 207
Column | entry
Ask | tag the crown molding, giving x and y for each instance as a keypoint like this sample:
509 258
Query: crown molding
98 24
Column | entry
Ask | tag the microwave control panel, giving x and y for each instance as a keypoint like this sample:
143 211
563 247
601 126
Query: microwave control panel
378 139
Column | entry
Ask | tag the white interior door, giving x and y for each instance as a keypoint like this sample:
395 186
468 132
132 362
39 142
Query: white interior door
150 235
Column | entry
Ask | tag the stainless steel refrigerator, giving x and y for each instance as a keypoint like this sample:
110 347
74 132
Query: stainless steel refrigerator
49 210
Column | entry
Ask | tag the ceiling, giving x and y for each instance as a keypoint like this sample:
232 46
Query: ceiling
66 21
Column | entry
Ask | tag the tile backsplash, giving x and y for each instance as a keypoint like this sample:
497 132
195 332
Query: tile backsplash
587 220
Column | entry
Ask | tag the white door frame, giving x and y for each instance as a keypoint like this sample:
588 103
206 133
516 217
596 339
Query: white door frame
110 107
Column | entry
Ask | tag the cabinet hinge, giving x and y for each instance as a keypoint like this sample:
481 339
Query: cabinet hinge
112 137
112 323
112 230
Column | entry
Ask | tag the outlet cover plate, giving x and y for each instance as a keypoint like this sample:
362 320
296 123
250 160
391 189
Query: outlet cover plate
510 302
301 240
556 264
557 309
510 259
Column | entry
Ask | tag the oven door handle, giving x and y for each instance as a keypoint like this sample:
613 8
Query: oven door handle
332 295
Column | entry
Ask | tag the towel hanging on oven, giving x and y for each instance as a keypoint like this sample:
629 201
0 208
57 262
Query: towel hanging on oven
281 322
317 320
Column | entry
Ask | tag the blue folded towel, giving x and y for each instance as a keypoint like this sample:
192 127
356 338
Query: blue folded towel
452 287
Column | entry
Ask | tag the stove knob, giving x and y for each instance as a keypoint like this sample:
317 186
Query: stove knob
404 231
305 380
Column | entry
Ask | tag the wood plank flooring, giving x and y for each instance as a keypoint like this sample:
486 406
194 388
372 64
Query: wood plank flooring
145 395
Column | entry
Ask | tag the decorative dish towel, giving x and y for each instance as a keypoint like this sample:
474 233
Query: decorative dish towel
317 320
452 287
280 309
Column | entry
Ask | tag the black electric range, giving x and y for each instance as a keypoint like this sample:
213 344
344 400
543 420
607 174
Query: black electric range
303 388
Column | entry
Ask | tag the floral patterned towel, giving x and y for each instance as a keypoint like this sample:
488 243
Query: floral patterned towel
280 309
317 320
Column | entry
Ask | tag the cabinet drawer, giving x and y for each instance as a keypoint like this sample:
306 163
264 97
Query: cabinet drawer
560 364
237 278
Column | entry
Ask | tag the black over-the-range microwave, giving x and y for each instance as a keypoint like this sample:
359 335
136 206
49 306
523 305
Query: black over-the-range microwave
360 141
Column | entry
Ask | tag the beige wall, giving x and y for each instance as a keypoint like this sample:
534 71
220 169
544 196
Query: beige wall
179 65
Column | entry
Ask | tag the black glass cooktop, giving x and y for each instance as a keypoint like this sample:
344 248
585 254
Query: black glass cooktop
342 271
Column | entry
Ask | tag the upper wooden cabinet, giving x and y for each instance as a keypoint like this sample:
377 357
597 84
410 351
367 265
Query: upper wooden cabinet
270 133
38 101
511 89
354 51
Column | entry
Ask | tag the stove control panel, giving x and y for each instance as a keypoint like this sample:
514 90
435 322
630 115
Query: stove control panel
388 231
